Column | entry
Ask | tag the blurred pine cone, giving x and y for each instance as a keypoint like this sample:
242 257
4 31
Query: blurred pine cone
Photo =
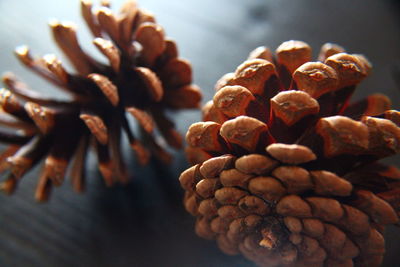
144 77
286 168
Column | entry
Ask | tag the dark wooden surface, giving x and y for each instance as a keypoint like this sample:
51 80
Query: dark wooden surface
144 224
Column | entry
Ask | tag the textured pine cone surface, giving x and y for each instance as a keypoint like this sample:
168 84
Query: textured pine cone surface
143 77
285 168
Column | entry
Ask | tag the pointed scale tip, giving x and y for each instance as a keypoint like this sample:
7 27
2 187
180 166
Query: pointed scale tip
43 117
96 126
23 54
55 66
109 90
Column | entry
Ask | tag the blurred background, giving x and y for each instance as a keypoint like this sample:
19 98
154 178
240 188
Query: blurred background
144 224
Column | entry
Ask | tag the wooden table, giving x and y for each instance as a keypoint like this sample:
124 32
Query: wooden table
144 224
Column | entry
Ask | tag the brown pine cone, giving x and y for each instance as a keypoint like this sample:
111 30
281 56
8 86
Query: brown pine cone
286 169
143 78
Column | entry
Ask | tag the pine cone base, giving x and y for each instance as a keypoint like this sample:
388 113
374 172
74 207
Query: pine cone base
272 217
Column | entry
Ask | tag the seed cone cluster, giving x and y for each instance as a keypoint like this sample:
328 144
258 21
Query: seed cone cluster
286 169
142 78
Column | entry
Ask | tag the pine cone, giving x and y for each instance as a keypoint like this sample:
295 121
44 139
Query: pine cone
286 168
144 77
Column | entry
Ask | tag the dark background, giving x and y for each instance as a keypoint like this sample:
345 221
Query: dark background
144 224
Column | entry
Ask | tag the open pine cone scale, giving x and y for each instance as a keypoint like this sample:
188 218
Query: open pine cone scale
286 169
143 77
